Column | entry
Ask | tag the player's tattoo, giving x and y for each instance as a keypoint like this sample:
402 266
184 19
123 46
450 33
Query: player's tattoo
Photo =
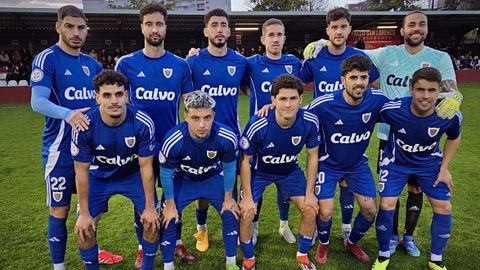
448 86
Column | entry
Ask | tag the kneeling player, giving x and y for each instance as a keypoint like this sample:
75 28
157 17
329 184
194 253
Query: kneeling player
198 161
274 143
413 150
119 143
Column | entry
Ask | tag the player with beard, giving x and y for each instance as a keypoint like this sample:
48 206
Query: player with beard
220 72
157 81
62 90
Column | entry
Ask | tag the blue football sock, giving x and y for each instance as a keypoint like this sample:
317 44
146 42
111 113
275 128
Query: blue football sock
168 241
440 232
323 230
304 243
360 228
202 216
57 238
137 224
384 225
149 250
230 233
178 228
283 207
247 249
259 208
347 202
90 257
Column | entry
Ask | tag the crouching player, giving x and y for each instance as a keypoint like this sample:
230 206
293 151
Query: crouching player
413 150
272 144
119 143
198 161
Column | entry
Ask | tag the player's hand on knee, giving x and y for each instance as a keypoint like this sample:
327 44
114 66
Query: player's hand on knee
314 48
445 177
248 208
310 201
449 104
169 214
85 227
78 120
193 52
264 110
150 219
230 205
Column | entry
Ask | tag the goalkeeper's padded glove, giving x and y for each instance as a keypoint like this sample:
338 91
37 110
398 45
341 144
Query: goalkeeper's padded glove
314 48
450 104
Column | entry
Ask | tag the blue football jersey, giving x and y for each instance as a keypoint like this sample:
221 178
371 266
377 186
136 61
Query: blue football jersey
325 71
156 86
195 160
221 78
263 71
413 140
70 79
346 129
114 150
275 149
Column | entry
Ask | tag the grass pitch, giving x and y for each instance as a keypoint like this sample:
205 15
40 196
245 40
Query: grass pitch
23 216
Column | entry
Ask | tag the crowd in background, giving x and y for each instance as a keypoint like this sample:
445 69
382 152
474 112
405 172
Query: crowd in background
16 65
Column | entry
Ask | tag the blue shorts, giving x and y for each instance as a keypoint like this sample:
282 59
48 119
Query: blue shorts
291 185
59 178
101 190
359 179
392 180
210 189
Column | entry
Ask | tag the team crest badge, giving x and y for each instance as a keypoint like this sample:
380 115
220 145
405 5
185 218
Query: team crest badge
37 75
167 72
366 117
426 64
288 68
86 70
432 131
73 149
231 70
161 158
211 154
381 186
244 144
318 188
57 195
130 141
296 140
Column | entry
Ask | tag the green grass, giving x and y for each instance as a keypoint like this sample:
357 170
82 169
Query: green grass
23 215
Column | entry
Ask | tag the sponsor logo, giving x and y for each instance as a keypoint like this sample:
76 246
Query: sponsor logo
271 145
211 154
323 69
402 130
206 73
37 75
266 86
67 73
323 86
155 94
167 72
296 140
196 171
79 94
231 70
130 141
265 70
279 160
118 160
141 75
100 147
396 81
220 90
416 147
348 139
425 65
339 122
187 158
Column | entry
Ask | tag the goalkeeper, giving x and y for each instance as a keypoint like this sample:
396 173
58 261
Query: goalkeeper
396 64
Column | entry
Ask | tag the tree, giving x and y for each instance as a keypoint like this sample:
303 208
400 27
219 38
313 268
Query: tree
392 4
450 4
287 5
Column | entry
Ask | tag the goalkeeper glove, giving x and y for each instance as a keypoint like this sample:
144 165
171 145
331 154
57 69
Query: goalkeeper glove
450 104
314 48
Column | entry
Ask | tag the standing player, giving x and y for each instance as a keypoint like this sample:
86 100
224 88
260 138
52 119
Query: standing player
347 119
263 70
120 144
396 64
220 72
325 72
271 146
157 81
63 91
198 160
413 149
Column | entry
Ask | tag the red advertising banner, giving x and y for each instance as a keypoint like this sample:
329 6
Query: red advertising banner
375 38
